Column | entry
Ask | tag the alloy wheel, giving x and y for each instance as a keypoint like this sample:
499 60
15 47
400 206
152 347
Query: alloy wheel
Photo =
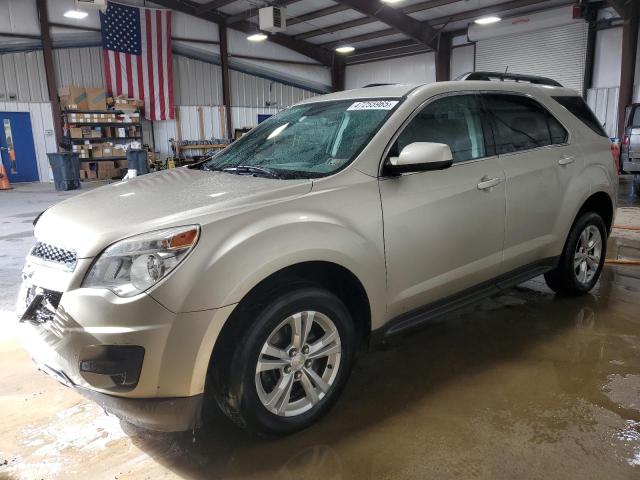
298 363
586 258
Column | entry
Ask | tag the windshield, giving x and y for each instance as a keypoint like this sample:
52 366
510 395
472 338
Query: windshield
305 141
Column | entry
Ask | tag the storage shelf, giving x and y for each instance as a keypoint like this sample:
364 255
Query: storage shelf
104 124
116 112
101 159
104 139
201 146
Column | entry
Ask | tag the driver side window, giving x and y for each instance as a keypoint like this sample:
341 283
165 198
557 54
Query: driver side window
454 120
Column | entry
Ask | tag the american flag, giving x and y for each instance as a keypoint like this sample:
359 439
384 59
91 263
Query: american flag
136 44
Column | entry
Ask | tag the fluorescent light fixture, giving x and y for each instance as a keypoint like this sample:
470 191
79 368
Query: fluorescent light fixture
345 49
77 14
487 20
257 37
391 1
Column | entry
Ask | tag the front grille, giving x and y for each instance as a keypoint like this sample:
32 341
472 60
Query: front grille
59 256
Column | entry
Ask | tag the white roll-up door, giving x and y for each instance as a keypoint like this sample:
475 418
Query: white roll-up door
556 52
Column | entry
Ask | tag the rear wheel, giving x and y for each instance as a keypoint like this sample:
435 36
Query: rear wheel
290 364
583 257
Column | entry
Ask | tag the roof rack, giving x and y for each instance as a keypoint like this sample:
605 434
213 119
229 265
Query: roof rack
377 85
514 77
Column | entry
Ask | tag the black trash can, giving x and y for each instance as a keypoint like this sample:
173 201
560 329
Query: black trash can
137 160
66 170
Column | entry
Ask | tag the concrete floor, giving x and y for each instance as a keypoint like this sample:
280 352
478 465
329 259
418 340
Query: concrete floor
523 385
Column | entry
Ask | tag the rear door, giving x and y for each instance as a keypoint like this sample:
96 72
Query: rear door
538 162
443 230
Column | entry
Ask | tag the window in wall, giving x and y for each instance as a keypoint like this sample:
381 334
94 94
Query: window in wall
520 123
454 120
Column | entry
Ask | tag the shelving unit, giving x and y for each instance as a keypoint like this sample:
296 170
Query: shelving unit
88 145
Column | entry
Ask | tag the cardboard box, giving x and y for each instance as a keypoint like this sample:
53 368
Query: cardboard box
73 98
122 164
75 132
96 98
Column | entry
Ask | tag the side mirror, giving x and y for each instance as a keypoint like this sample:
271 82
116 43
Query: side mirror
420 157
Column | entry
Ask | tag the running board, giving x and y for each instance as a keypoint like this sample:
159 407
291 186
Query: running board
433 311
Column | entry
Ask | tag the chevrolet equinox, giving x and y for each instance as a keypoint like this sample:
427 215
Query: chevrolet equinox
250 280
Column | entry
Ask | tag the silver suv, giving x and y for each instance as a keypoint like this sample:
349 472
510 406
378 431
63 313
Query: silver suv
250 280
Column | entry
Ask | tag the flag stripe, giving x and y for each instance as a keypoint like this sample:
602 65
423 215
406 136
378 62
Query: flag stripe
160 60
150 71
170 109
107 70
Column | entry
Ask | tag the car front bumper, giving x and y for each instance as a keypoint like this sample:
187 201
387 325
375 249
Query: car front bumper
168 382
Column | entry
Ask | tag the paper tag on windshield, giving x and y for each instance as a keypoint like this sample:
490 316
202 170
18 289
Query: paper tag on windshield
373 105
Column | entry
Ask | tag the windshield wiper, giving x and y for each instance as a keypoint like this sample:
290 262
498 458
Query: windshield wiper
240 169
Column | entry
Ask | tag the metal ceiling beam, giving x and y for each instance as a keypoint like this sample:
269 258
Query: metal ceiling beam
438 22
213 5
419 31
247 14
323 12
305 48
418 7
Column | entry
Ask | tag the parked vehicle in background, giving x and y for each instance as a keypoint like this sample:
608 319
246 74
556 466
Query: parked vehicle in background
249 281
630 150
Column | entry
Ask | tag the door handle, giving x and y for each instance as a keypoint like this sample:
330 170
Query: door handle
566 160
488 183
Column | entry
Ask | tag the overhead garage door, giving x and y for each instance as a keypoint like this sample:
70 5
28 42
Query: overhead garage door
556 52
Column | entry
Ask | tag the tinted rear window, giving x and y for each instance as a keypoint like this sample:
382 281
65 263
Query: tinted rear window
635 121
521 123
580 109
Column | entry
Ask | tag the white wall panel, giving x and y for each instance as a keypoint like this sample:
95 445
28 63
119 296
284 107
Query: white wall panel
604 103
22 77
43 136
412 69
557 52
462 60
251 91
607 58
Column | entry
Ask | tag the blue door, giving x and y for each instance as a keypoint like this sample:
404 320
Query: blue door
16 147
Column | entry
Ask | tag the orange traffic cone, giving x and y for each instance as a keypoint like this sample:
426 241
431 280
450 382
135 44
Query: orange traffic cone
4 180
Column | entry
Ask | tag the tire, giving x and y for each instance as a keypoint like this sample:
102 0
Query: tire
576 274
248 397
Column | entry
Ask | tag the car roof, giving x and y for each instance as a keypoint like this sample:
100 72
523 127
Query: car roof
401 90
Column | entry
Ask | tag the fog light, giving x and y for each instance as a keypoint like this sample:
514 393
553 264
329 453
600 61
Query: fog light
121 364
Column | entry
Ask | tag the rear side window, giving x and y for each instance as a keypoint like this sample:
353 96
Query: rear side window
521 123
578 107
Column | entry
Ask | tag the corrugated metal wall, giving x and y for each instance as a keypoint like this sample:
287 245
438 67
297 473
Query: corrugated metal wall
196 82
251 91
412 69
82 67
22 77
44 139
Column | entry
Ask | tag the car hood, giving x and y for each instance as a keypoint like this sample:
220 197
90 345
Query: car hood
87 223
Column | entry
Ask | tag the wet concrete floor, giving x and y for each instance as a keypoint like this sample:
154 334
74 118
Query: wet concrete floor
522 385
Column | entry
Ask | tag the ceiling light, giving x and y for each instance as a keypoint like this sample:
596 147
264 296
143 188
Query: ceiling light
257 37
345 49
391 1
77 14
487 20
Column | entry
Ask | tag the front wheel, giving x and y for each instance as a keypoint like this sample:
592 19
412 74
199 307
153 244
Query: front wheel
583 257
290 365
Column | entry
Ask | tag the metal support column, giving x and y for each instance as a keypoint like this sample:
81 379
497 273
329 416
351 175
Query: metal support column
628 67
47 51
226 88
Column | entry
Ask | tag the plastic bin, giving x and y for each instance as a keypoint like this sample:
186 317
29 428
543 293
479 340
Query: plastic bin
137 160
66 170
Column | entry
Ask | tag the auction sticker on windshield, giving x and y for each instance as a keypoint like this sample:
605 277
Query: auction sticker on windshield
373 105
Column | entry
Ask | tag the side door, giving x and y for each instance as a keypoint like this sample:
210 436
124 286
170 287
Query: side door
538 160
443 230
16 147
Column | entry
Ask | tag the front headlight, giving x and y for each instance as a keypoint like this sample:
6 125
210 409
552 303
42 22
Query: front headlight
135 264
